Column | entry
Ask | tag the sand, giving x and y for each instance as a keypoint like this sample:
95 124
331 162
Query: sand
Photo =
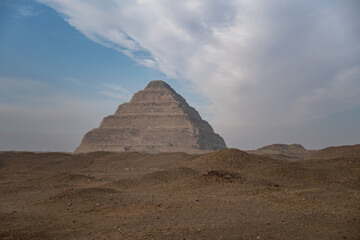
228 194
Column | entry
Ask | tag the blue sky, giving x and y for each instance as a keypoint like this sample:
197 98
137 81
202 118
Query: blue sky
37 44
260 73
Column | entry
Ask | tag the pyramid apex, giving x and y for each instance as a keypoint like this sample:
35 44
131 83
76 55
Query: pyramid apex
158 84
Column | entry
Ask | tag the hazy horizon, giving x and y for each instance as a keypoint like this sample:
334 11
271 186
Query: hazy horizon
259 72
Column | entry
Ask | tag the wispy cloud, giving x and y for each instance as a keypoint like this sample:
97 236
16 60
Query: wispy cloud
22 90
10 83
115 91
260 63
25 11
343 92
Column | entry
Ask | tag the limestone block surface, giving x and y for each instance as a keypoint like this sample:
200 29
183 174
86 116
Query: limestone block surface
157 119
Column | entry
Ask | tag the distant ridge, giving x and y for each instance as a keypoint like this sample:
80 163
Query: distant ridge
157 119
346 151
282 151
283 147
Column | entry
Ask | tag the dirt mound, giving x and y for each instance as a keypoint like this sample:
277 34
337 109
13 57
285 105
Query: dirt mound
24 161
168 175
283 151
284 147
151 179
225 159
85 200
71 178
351 151
109 161
221 176
119 165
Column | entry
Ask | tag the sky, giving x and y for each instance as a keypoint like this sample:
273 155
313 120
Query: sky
260 72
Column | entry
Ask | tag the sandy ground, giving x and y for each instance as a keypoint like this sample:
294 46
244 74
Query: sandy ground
228 194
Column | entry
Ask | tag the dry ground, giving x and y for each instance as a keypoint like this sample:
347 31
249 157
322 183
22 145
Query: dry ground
227 194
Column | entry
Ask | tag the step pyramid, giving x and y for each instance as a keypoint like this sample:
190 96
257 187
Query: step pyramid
157 119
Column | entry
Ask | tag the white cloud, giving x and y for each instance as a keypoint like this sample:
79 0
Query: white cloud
22 90
260 63
116 91
342 93
25 11
9 84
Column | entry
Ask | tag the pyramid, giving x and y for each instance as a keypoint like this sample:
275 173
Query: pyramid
157 119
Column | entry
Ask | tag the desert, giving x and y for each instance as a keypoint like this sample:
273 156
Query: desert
156 170
179 120
226 194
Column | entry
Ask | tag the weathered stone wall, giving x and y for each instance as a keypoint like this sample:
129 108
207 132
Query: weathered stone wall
157 119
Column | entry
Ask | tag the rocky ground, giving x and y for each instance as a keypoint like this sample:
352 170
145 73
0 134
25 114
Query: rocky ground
228 194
